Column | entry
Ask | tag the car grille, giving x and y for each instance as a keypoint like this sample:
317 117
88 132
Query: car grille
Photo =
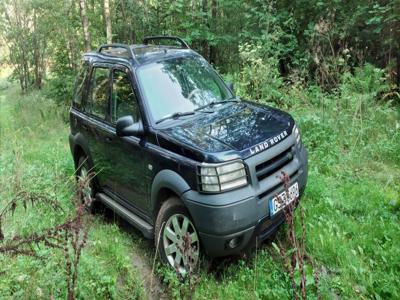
276 187
267 168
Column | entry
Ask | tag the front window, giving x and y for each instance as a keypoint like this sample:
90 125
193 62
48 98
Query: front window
180 85
123 97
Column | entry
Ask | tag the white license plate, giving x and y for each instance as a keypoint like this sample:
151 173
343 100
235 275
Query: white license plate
280 201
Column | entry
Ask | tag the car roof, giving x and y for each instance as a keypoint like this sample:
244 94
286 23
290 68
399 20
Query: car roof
139 54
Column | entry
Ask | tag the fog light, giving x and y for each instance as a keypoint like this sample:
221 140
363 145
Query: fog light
233 243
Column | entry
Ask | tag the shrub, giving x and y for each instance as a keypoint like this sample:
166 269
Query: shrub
60 88
366 85
259 77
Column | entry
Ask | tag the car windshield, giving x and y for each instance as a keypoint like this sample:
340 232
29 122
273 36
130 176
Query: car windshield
180 85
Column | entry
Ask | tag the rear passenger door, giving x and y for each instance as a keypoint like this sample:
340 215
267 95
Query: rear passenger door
128 179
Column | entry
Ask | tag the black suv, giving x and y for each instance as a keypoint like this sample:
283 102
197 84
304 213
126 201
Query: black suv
177 154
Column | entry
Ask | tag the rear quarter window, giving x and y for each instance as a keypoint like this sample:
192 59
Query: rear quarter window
80 83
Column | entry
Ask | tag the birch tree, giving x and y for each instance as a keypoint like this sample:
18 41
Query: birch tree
85 24
107 18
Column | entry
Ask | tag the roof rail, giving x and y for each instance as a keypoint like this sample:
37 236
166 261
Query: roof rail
120 50
173 38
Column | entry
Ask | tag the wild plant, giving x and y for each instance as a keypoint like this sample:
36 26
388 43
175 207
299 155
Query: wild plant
69 237
189 278
299 265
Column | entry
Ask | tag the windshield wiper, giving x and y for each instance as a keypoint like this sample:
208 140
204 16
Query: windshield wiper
212 103
188 113
175 116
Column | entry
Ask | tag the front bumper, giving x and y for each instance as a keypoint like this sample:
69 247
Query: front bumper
244 213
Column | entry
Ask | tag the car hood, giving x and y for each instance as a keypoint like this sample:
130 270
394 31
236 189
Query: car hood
234 130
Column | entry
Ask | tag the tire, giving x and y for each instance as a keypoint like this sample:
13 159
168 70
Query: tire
84 166
176 237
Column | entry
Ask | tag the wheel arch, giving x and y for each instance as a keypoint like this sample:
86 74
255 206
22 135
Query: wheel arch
166 183
79 147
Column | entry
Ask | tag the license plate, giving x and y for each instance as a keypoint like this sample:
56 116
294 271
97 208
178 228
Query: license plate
277 203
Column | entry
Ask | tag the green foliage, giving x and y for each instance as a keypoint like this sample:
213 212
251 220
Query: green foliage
313 42
368 81
259 78
61 88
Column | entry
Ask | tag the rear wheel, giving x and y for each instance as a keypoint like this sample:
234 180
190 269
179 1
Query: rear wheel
176 237
85 172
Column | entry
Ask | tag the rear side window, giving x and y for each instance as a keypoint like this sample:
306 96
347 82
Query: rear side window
124 101
80 84
99 92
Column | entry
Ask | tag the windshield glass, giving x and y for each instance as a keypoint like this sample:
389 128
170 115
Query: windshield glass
180 85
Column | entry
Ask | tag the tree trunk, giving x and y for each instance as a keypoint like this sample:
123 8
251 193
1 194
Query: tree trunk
213 49
128 32
125 33
205 45
25 55
18 50
85 24
36 54
107 17
398 70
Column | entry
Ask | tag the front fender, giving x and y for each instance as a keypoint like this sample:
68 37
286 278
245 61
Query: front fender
167 179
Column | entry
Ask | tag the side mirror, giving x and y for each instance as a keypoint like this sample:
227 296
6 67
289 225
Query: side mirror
231 86
127 127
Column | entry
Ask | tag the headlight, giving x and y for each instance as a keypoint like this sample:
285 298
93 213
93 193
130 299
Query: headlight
222 177
297 134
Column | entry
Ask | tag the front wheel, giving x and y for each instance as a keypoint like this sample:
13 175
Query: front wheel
176 237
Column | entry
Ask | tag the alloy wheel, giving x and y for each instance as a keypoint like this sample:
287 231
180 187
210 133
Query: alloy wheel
181 243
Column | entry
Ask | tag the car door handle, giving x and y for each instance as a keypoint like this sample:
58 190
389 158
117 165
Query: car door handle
108 139
85 126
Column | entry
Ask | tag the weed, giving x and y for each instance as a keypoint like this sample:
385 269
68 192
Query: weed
70 237
25 198
182 283
189 278
295 259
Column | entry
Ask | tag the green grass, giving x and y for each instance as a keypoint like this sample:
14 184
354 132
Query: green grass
352 205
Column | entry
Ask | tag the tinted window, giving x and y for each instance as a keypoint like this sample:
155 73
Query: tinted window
124 100
180 85
99 92
80 83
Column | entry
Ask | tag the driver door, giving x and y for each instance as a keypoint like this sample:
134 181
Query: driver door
128 178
